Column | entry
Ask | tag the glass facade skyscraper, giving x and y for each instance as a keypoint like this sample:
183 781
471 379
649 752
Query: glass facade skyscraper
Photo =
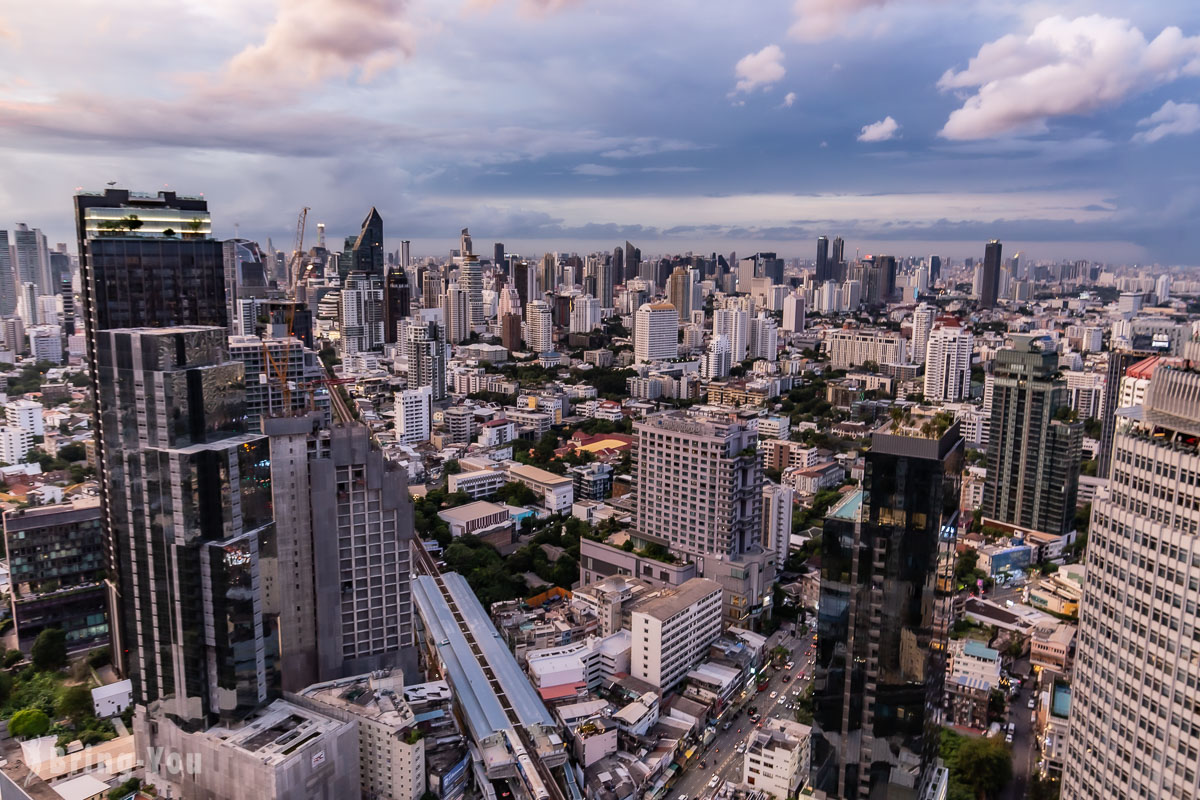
886 564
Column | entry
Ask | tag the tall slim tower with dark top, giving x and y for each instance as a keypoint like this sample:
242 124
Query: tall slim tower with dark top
618 266
887 561
990 291
633 261
838 258
1034 447
498 255
823 272
397 301
367 252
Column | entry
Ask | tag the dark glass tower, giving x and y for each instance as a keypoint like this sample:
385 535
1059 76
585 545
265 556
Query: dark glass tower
823 271
1033 451
991 275
366 254
886 563
397 301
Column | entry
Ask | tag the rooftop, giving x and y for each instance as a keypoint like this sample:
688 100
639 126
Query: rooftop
471 511
535 474
667 602
377 696
849 507
277 732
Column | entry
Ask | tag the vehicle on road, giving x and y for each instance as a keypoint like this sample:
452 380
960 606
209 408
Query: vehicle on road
703 764
787 678
1032 702
1008 737
713 783
726 726
774 695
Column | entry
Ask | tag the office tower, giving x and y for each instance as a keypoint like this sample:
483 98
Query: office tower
885 266
32 257
1162 289
414 415
887 558
424 352
498 254
188 509
525 282
361 318
764 337
655 333
1118 362
1033 451
734 324
923 317
8 284
948 362
1134 716
838 259
747 271
778 502
585 314
793 312
465 247
823 271
397 301
539 327
606 271
935 268
548 274
366 252
679 291
243 263
509 302
470 278
456 311
432 288
718 360
633 261
618 265
14 336
405 253
279 374
989 289
510 331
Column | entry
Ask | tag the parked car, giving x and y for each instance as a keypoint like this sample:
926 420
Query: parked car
1032 702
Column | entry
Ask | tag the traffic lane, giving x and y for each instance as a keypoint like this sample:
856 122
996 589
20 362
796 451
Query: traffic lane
1022 745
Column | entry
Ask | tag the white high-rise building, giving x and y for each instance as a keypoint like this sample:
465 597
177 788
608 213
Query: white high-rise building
25 414
27 306
734 324
948 362
829 298
470 277
45 343
1162 289
764 337
777 519
414 415
539 327
1134 725
851 295
671 631
47 309
361 320
655 333
777 758
718 360
32 259
14 444
693 338
793 313
456 311
585 314
922 326
510 300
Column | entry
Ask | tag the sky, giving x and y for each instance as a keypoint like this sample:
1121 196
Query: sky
1065 129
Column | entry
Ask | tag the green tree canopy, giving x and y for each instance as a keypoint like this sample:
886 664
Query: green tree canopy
28 723
49 650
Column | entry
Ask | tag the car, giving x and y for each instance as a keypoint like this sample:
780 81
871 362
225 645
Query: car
726 726
703 764
1008 737
713 783
787 678
741 748
789 665
774 695
683 797
1032 702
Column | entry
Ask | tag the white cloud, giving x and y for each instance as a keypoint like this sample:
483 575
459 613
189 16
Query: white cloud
1173 119
596 170
759 69
789 99
1063 67
817 20
313 40
879 131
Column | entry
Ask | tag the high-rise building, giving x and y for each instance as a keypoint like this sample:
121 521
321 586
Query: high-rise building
510 331
823 271
838 258
935 268
1033 449
679 291
633 261
923 317
1118 362
456 311
8 283
360 324
989 289
470 278
525 282
585 314
778 503
338 565
424 353
187 610
733 322
764 337
1134 718
32 257
672 630
606 274
366 253
539 327
948 362
397 301
618 264
279 374
498 254
655 333
465 247
414 415
793 313
718 359
887 560
548 274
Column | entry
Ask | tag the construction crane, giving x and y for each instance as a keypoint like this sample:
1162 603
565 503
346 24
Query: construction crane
298 253
281 376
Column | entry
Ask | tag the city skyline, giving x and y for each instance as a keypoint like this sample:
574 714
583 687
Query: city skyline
791 131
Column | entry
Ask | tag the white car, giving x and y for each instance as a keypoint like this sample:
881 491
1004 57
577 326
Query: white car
1008 737
713 783
1032 702
774 695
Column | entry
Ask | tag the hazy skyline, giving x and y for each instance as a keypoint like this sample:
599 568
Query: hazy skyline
1066 129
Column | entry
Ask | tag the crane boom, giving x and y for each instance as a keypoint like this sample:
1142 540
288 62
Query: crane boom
298 254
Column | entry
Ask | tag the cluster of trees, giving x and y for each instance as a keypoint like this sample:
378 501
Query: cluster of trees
806 517
979 768
31 378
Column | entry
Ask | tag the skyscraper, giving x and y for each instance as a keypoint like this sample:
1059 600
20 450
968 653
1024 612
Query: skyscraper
838 259
655 333
1134 716
539 327
990 288
948 362
633 261
887 557
465 247
923 317
498 255
606 272
764 337
361 322
366 254
8 285
548 274
189 510
456 311
823 273
424 352
525 283
397 301
618 265
734 323
1033 449
470 278
935 268
793 312
679 291
32 263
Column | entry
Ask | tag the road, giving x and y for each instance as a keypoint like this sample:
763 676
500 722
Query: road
1023 745
721 757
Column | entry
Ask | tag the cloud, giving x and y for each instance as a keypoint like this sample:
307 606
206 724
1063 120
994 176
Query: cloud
817 20
759 69
596 170
527 6
313 40
879 131
789 99
1063 67
1173 119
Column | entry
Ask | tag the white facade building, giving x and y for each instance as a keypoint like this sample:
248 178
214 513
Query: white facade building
672 629
14 444
25 414
734 325
922 326
414 415
539 327
655 333
764 338
585 314
793 313
948 362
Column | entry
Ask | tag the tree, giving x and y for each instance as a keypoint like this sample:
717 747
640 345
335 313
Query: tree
74 702
72 452
984 766
28 723
49 650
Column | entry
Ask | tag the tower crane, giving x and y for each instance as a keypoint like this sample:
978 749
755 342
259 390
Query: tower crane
298 253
